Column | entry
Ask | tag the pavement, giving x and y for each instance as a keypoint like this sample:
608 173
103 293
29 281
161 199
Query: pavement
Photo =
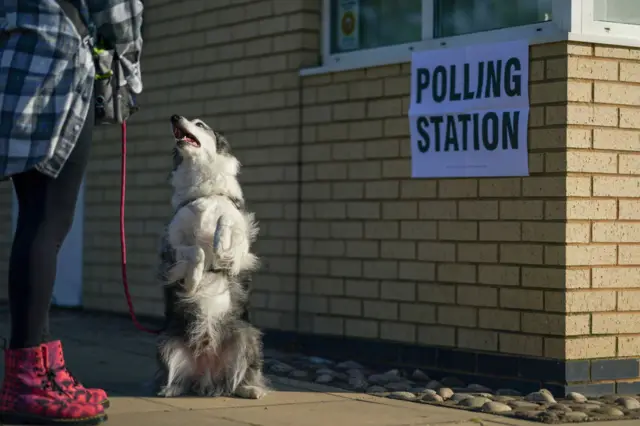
107 351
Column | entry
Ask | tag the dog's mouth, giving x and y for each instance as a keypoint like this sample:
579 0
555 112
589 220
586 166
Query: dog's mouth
183 137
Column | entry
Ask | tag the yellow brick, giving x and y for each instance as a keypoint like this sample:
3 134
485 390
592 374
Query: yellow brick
551 186
579 255
630 72
519 344
630 118
616 186
436 335
521 299
536 70
615 277
620 94
587 301
616 139
311 304
346 111
458 231
381 230
555 278
496 319
418 230
555 232
628 346
456 273
615 323
547 324
418 313
399 210
578 325
398 290
328 325
522 210
499 275
582 49
581 162
613 232
380 310
554 347
437 293
478 339
478 253
457 315
530 254
560 91
563 137
588 115
410 271
437 252
384 108
478 210
418 189
500 231
398 332
629 255
500 187
549 49
345 307
365 89
581 209
398 250
362 289
592 69
438 210
590 347
361 328
629 164
458 188
536 116
477 296
628 300
617 52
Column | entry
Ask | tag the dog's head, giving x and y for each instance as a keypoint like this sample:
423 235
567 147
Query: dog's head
202 160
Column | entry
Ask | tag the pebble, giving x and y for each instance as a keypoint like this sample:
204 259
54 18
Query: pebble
419 375
584 407
405 396
576 416
434 384
376 389
399 386
298 374
523 405
495 407
508 392
281 368
358 383
576 397
542 395
318 360
478 388
452 382
474 402
628 403
323 371
382 379
432 398
347 365
445 393
457 397
610 411
354 372
560 407
422 390
324 378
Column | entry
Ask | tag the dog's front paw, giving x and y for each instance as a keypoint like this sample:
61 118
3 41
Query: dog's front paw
170 391
251 392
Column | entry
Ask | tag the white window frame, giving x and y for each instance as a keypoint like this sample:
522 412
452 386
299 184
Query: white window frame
571 20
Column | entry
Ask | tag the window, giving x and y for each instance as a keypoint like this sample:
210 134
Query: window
618 11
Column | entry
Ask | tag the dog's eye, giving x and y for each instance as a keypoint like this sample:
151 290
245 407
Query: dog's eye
201 125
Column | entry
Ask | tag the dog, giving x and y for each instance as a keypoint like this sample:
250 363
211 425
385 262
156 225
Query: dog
208 347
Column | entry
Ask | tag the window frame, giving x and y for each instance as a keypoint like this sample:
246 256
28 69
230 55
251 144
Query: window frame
571 20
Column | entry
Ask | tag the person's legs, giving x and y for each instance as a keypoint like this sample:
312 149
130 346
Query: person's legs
46 211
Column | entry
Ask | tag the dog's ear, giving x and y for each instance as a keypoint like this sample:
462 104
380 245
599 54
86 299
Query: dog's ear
222 144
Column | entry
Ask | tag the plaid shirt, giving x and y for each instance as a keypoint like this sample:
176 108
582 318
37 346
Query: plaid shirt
47 76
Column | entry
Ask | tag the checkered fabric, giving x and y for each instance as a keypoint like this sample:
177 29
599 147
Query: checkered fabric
47 75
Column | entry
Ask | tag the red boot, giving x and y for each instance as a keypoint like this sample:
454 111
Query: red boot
30 393
69 383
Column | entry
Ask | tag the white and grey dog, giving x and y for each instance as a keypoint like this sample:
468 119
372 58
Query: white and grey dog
208 347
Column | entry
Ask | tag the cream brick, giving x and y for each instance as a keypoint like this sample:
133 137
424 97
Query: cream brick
560 91
477 296
478 339
418 230
615 93
630 72
629 254
381 230
418 313
380 310
530 254
555 278
311 304
617 52
437 252
456 273
361 328
555 232
437 293
579 255
478 253
499 275
437 335
554 347
616 139
536 70
549 186
399 210
581 162
592 69
398 250
398 332
438 210
585 301
328 325
398 290
458 188
500 231
457 315
580 114
522 210
629 118
547 324
496 319
621 277
458 231
581 209
615 323
590 347
363 249
416 271
478 210
500 187
362 289
628 346
628 300
629 164
613 232
520 344
521 299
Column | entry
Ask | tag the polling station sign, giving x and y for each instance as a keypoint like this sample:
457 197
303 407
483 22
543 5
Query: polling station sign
469 111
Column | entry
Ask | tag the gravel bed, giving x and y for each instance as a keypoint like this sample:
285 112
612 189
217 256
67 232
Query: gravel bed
416 386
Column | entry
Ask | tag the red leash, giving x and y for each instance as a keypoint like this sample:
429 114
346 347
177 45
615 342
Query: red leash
123 243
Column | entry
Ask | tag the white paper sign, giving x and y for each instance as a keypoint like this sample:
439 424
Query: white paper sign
348 24
470 111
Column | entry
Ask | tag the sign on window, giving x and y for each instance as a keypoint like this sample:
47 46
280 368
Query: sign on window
469 111
348 24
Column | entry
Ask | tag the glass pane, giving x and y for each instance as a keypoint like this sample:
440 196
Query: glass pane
365 24
620 11
455 17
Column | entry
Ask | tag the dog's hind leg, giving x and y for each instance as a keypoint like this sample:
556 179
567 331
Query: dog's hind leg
179 366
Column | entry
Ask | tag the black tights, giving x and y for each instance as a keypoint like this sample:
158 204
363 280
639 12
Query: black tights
46 211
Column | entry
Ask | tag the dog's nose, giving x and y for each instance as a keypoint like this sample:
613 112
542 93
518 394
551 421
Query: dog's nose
175 118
